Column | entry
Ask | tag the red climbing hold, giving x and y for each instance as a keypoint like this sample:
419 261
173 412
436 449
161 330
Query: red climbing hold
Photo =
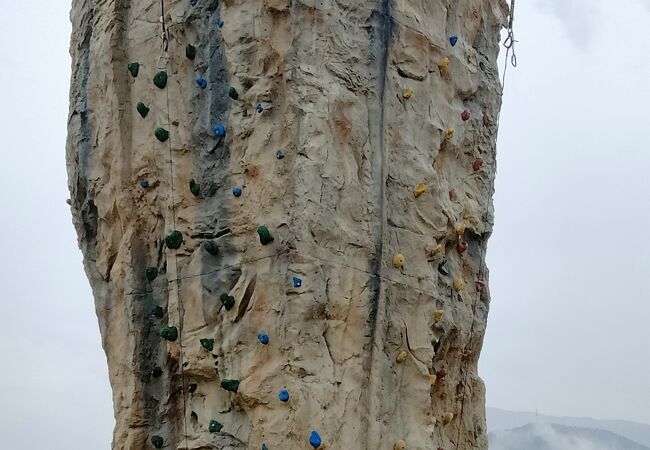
465 115
478 164
486 120
479 285
462 247
440 374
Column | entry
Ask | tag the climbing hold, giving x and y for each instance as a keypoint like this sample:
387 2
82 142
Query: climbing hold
453 40
263 338
448 418
158 311
479 285
174 240
207 344
193 2
157 441
191 388
169 333
151 273
190 52
440 374
442 268
230 385
442 65
211 247
407 93
161 134
200 81
460 228
265 235
486 120
219 131
195 188
459 284
438 315
219 23
259 108
401 356
297 282
160 79
465 115
236 191
69 201
156 372
279 154
462 247
398 261
214 426
144 184
399 445
264 447
233 93
227 300
433 251
134 68
419 190
432 379
449 134
143 109
314 439
478 164
284 395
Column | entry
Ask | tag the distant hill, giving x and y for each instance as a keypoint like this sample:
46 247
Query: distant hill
559 437
500 420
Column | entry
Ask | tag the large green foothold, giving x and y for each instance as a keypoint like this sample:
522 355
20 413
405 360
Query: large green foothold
265 235
169 333
190 52
161 134
174 240
207 344
230 385
158 311
211 247
233 93
142 109
214 426
195 188
157 441
227 300
134 68
152 273
160 79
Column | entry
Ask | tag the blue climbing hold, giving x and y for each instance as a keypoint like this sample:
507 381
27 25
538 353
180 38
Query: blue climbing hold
284 395
314 439
219 131
194 2
236 191
453 40
263 338
297 282
279 154
264 447
144 184
259 108
200 81
219 23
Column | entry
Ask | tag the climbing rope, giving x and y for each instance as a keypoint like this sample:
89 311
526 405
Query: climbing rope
509 44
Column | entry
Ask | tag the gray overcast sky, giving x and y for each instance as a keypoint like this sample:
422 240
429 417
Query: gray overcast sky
568 329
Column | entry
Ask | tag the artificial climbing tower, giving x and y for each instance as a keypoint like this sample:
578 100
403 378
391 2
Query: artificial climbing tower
283 207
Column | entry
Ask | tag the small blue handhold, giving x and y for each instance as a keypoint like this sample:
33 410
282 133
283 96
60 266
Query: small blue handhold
219 131
264 447
314 439
259 108
200 81
219 23
263 338
453 40
144 184
284 395
193 2
297 282
236 191
279 154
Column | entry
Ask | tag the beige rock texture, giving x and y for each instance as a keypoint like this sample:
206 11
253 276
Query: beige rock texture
366 100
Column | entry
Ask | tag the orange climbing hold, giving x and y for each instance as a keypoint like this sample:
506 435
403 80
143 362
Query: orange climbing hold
401 356
398 261
433 251
419 190
459 284
460 228
449 134
399 445
438 315
408 93
442 65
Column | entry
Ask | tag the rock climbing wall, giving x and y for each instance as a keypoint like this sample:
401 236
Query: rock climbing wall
283 207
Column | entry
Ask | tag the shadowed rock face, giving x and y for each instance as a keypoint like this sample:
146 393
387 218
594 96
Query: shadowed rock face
361 97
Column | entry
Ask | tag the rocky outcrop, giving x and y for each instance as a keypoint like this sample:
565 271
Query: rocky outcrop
361 136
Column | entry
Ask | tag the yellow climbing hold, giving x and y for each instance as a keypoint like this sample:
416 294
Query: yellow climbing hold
448 418
459 284
432 379
408 93
460 228
419 190
449 135
401 356
433 251
442 65
398 261
439 313
399 445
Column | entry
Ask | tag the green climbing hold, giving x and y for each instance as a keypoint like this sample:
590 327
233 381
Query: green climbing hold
157 441
265 235
161 134
211 247
174 240
142 109
134 68
214 426
169 333
160 79
158 311
227 300
207 344
233 93
195 188
230 385
152 273
190 52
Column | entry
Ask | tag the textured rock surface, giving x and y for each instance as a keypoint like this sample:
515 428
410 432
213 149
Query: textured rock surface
331 77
